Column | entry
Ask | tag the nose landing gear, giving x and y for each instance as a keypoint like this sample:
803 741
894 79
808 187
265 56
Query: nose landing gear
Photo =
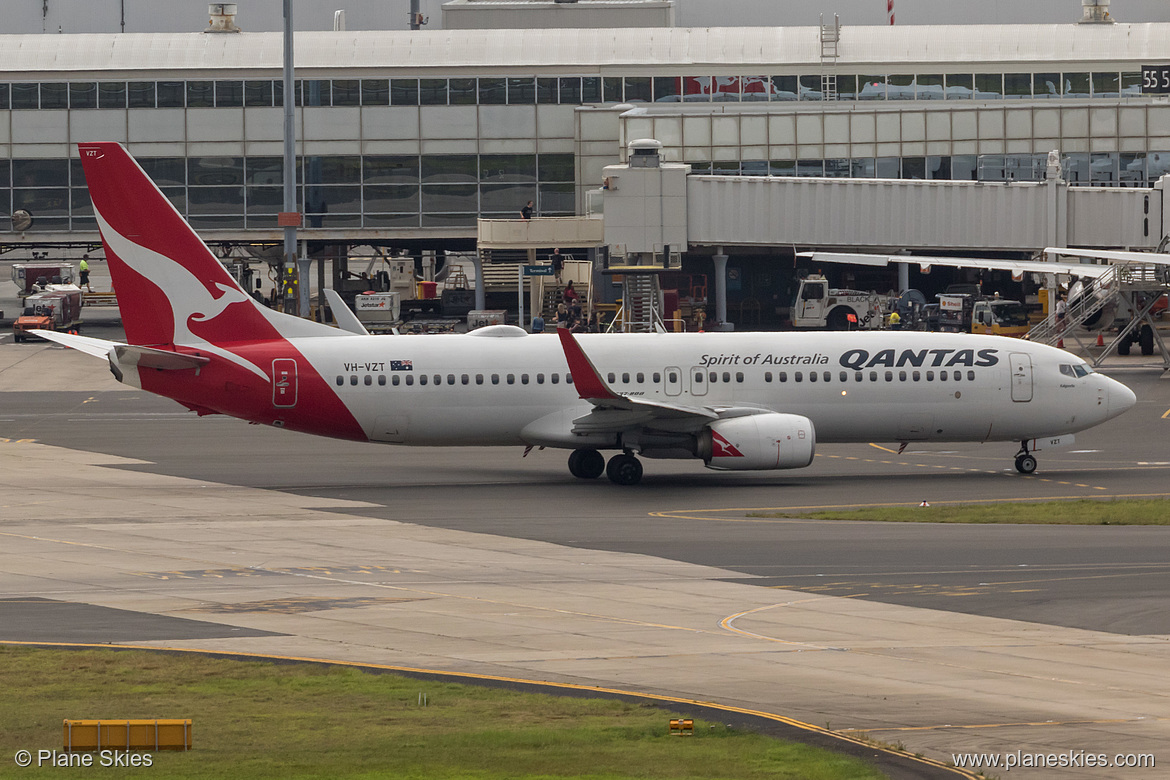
1025 461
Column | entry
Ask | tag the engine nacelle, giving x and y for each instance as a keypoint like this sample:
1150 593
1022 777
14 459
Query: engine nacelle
758 442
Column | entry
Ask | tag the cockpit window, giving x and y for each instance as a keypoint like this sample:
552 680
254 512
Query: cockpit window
1077 371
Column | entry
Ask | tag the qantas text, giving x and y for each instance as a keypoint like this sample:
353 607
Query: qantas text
860 358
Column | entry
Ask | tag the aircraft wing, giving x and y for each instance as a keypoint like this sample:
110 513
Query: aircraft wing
1153 258
615 412
90 346
992 264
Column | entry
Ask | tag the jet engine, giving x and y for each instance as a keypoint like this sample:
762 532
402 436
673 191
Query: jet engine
758 442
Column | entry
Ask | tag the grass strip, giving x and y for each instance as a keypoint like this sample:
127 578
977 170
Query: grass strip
265 720
1080 512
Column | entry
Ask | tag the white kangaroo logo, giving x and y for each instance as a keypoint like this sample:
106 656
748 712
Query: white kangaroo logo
188 297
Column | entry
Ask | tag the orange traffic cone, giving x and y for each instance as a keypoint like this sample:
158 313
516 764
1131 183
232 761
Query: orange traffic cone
1100 340
1060 344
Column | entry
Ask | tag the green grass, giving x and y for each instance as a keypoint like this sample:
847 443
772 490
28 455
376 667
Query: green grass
1083 512
262 720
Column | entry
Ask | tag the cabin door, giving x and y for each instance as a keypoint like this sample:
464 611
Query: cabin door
1021 376
284 383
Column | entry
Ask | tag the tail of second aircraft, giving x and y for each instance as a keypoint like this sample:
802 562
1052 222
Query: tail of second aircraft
171 289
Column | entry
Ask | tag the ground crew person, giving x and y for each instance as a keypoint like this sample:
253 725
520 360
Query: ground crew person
83 266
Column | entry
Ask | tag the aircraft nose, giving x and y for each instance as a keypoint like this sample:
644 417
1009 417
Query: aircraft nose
1121 398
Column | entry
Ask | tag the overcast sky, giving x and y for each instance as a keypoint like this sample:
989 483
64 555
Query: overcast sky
29 16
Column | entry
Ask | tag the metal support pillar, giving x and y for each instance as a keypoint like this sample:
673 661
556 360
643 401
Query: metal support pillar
480 297
720 261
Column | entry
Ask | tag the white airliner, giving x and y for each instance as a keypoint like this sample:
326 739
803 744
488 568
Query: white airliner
742 401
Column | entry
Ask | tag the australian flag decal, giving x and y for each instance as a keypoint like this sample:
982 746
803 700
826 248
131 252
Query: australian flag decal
401 365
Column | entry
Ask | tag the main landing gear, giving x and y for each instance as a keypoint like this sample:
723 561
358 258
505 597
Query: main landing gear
623 469
1025 461
586 464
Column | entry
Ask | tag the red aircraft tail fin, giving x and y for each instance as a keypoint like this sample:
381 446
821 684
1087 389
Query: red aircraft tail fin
171 288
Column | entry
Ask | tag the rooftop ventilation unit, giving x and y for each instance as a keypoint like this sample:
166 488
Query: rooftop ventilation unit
1095 12
223 18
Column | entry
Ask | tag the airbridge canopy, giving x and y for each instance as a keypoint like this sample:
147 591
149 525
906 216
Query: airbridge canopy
898 214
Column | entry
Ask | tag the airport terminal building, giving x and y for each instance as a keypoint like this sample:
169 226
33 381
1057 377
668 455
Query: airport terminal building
407 138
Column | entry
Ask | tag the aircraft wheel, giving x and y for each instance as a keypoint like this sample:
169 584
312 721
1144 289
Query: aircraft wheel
624 470
1146 339
1123 346
838 319
586 464
1025 464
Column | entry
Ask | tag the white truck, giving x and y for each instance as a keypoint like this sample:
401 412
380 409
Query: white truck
819 306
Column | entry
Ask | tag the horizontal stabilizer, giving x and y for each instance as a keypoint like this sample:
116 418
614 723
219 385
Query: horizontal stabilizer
90 346
146 357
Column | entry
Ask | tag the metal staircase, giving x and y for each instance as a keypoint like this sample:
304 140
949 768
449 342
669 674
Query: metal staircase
641 311
1130 290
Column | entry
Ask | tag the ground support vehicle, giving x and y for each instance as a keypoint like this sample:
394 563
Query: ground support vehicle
56 308
819 306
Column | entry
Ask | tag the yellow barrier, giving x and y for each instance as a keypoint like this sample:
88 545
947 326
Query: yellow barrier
682 727
90 735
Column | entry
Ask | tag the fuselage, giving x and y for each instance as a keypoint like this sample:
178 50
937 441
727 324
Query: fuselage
514 389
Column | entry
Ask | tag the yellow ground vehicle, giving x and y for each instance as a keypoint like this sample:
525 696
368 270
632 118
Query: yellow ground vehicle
999 317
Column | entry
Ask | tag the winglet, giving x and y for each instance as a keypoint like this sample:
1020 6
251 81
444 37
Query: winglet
590 386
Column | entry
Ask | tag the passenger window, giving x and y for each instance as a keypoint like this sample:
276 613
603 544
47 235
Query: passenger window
782 376
726 377
901 376
812 376
524 379
611 377
857 377
353 379
658 378
797 376
844 376
511 379
540 379
873 376
495 379
479 379
889 376
381 380
942 376
639 378
340 380
929 376
568 379
828 377
739 377
625 379
767 376
958 375
422 379
917 375
555 378
409 379
394 380
466 379
713 376
369 380
451 379
699 377
970 376
439 379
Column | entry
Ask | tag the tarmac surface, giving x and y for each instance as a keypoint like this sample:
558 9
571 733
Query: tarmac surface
945 638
